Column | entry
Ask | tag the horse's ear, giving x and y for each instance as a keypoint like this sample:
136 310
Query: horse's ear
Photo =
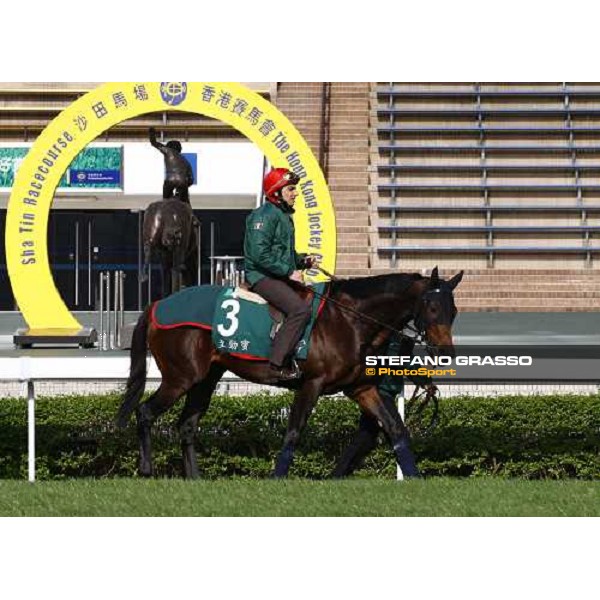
435 276
456 280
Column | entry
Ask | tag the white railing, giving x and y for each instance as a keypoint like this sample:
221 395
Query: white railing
29 370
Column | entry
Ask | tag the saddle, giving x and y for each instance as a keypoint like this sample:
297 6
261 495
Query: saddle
243 291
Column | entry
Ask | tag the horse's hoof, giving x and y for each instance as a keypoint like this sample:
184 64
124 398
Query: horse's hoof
145 470
413 477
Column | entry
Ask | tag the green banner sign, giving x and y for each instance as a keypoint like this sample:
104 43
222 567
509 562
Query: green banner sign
92 168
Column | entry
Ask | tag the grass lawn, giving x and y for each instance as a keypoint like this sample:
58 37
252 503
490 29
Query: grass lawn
442 497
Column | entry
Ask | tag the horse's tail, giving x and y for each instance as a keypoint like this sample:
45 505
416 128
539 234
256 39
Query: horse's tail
137 370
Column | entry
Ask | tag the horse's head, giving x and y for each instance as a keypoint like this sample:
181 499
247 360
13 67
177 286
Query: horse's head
435 312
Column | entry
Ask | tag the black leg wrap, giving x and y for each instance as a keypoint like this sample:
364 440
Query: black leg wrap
284 462
190 463
144 424
354 455
405 458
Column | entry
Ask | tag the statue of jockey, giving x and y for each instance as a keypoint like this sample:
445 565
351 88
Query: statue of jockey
178 171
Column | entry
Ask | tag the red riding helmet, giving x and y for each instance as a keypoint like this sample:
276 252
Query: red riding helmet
275 180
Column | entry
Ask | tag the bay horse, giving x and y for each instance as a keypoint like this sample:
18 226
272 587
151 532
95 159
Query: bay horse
169 232
356 321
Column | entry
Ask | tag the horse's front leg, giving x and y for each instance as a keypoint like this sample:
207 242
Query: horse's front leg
305 400
383 409
363 442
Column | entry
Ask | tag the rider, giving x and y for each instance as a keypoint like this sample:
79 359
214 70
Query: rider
391 386
179 175
272 262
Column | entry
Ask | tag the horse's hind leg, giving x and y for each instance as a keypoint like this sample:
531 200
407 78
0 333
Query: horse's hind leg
176 279
164 397
197 403
190 273
364 440
166 278
177 268
383 409
147 261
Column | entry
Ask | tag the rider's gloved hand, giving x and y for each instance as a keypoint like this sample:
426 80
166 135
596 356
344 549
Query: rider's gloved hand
296 276
311 260
431 390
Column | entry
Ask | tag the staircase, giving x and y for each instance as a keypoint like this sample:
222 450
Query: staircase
342 141
499 180
529 290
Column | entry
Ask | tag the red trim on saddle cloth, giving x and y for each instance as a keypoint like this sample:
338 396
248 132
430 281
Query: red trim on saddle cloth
175 325
247 356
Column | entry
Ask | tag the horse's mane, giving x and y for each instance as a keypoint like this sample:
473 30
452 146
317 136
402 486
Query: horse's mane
365 287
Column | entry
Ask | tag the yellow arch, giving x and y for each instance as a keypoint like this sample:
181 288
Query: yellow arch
84 120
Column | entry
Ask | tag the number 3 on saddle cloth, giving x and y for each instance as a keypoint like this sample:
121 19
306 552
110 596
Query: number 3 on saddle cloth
242 323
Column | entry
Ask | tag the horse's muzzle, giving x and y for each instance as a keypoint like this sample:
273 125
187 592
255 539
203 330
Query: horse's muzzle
440 336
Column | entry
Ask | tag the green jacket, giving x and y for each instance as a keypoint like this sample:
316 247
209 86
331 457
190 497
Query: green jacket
391 385
269 244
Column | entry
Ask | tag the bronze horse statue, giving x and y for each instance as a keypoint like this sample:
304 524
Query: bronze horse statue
357 320
169 232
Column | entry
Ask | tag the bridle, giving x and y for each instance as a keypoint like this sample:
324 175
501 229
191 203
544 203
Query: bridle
418 327
419 338
429 393
422 302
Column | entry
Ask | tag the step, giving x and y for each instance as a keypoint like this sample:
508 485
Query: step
468 308
524 294
533 302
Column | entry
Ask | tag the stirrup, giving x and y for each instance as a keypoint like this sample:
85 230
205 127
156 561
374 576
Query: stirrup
286 373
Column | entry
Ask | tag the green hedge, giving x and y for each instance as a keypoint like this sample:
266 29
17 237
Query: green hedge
531 437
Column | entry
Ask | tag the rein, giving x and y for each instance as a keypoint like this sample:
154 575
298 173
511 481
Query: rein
429 393
419 338
419 401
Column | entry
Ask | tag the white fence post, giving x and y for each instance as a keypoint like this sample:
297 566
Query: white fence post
31 430
400 400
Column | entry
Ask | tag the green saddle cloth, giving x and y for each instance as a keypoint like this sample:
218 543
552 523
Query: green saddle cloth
239 327
193 306
242 327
